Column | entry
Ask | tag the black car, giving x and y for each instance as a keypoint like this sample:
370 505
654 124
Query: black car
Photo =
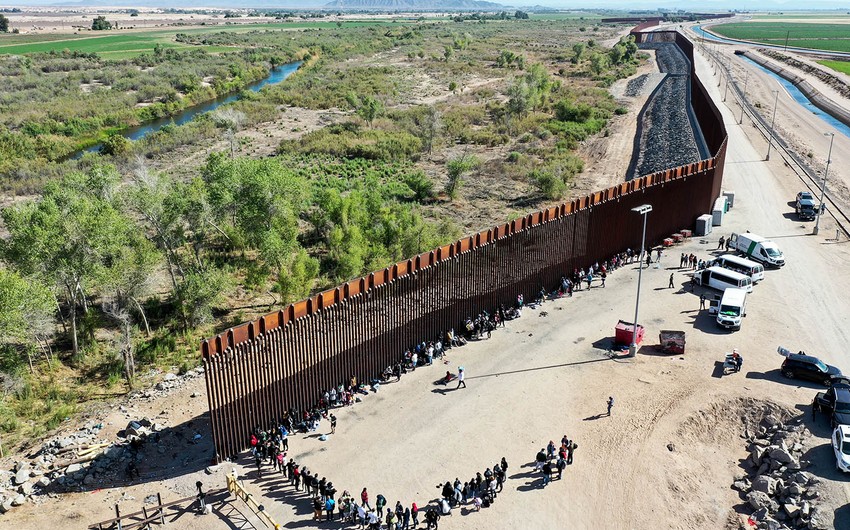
800 365
839 380
835 402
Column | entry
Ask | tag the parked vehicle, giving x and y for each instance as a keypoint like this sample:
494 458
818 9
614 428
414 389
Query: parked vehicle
733 308
839 380
841 447
742 265
835 403
722 279
805 206
800 365
757 248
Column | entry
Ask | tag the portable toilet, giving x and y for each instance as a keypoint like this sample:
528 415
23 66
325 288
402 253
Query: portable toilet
703 227
718 211
730 199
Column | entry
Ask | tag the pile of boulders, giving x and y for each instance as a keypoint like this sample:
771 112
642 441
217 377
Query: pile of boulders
76 461
168 384
781 494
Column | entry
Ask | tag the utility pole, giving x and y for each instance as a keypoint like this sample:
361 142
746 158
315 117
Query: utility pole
823 185
772 122
744 98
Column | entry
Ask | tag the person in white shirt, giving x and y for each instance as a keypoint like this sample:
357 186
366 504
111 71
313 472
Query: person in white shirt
460 377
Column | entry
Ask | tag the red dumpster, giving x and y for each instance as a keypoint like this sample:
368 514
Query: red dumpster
623 333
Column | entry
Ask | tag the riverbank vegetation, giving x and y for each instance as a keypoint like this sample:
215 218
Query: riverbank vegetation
125 258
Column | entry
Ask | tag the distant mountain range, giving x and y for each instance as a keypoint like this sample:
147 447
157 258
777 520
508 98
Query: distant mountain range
417 5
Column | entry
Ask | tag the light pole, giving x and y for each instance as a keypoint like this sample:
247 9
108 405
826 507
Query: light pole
744 98
643 209
823 184
772 122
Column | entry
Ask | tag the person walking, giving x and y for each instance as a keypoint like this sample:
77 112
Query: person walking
649 258
702 302
572 446
610 404
670 285
414 512
460 378
364 498
333 424
721 243
602 276
561 464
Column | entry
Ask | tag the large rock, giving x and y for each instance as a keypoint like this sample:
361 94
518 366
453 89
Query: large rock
21 476
73 468
26 488
764 484
20 500
741 485
135 428
89 480
170 377
756 455
6 505
795 489
758 500
43 482
791 509
782 455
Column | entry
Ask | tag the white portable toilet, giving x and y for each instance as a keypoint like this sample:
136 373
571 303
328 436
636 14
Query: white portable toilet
703 227
718 211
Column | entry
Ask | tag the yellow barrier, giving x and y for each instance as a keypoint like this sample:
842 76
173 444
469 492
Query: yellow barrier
239 491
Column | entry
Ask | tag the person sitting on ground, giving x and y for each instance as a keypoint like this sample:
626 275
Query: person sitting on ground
477 503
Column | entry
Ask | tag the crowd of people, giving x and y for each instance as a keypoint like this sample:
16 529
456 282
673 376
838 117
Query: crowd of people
553 459
269 445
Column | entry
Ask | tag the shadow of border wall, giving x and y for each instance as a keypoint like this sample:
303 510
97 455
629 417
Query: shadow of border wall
258 370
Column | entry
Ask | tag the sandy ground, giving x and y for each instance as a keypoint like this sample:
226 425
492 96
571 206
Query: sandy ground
549 375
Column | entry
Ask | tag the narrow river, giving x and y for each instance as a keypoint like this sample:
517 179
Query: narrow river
276 75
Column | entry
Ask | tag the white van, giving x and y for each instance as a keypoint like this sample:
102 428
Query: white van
722 279
757 248
733 307
743 265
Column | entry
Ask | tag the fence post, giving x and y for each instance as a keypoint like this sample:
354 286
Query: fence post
161 511
118 516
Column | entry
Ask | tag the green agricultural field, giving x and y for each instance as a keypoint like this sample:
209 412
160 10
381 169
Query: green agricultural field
126 44
838 66
831 37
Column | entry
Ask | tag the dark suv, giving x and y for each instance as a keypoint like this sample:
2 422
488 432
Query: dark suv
808 367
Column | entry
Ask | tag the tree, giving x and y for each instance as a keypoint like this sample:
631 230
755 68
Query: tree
578 52
598 63
232 120
4 23
26 315
70 236
521 15
115 145
367 107
100 23
448 51
456 169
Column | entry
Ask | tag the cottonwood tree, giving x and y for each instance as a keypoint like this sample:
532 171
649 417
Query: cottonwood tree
26 315
69 237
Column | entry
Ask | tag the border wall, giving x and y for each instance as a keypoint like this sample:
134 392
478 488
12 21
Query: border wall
258 370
